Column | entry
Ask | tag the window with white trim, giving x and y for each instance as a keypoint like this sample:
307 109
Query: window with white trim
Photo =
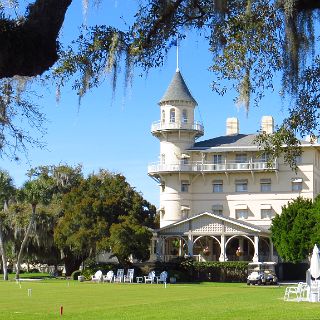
264 157
217 158
241 185
296 184
241 158
172 115
163 116
241 213
185 186
217 186
266 213
184 116
265 185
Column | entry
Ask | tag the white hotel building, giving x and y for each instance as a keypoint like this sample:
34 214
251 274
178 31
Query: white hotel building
218 196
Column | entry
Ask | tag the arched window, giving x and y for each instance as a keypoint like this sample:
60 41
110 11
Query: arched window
184 116
172 115
163 116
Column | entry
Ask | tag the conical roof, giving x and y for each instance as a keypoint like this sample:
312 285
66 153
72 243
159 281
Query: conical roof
178 91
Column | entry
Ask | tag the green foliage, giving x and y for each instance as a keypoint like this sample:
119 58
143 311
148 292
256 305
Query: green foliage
233 271
75 274
251 43
91 208
293 231
130 238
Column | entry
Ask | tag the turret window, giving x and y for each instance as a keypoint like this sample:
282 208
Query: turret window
163 116
172 115
185 186
184 116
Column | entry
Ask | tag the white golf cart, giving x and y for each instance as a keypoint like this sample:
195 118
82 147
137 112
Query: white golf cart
261 273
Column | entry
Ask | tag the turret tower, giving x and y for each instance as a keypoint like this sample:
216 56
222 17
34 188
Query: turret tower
177 131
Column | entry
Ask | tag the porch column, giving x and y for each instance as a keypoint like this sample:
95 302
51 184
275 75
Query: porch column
223 249
241 247
256 249
271 250
158 248
190 245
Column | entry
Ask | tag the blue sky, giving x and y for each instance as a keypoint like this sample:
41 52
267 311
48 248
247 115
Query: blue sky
114 134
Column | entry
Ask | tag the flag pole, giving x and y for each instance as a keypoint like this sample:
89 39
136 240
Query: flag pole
177 70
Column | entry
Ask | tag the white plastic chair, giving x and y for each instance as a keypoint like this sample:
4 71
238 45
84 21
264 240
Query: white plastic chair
163 277
108 277
150 277
297 293
129 276
97 277
119 276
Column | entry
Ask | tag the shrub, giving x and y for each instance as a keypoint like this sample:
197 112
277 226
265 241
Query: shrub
233 271
75 274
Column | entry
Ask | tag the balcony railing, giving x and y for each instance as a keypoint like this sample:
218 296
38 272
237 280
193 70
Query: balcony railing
198 166
159 126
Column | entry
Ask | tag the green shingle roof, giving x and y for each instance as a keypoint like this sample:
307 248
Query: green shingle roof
178 91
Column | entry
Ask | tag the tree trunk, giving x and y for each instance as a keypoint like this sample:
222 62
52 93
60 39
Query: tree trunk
25 240
30 47
71 263
4 256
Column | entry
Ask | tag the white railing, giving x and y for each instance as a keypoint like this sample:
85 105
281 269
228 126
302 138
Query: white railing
197 166
159 125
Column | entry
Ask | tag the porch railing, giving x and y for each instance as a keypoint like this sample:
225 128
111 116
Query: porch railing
159 126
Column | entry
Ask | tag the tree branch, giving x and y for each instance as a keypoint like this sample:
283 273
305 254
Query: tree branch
30 48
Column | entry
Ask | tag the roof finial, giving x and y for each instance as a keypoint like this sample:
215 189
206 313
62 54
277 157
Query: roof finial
177 70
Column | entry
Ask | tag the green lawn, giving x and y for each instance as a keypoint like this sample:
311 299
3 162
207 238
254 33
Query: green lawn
140 301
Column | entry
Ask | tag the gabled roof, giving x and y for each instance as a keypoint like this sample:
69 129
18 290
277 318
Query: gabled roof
226 141
232 221
177 91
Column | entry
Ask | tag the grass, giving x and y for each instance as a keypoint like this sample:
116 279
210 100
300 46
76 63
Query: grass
146 301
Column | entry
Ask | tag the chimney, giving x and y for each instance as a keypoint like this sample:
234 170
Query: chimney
267 124
311 138
232 126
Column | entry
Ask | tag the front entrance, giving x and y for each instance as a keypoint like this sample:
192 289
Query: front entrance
206 248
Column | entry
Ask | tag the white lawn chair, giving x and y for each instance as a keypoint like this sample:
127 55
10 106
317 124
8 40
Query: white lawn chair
108 277
150 277
129 276
297 293
314 293
163 277
119 276
97 277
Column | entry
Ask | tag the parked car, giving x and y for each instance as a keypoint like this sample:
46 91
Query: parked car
262 273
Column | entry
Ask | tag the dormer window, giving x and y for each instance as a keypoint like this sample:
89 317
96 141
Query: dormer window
172 115
184 116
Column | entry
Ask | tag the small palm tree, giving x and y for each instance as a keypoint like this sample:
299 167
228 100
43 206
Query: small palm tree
6 192
33 192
